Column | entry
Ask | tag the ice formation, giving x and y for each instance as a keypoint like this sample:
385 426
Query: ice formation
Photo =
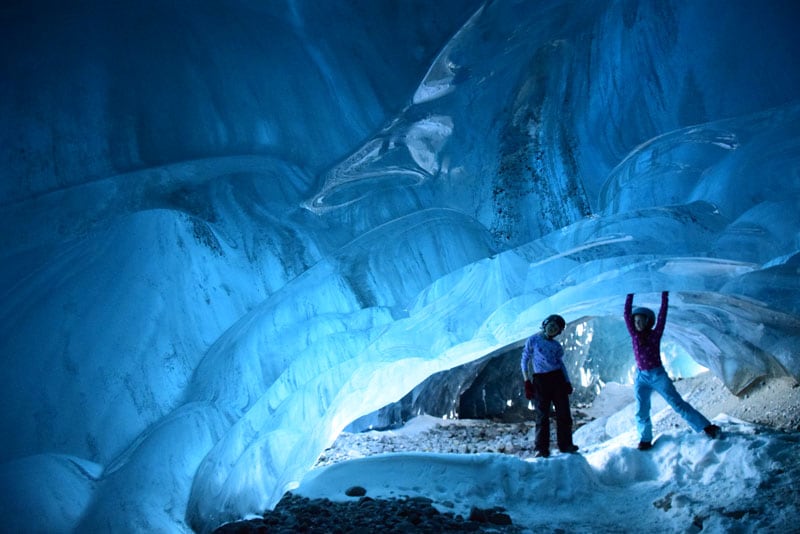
229 231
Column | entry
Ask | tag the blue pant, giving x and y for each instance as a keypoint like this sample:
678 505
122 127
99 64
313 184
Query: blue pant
657 380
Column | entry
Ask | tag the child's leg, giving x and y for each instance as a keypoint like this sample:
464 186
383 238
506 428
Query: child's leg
563 419
541 401
642 391
666 389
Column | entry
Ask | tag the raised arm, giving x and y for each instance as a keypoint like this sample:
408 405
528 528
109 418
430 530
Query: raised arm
661 322
627 314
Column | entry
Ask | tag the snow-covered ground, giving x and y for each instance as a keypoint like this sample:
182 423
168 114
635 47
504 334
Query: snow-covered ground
744 482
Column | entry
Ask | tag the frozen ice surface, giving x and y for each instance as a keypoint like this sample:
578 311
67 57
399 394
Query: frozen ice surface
741 482
227 237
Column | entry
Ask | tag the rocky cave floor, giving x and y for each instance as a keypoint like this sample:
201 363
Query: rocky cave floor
773 403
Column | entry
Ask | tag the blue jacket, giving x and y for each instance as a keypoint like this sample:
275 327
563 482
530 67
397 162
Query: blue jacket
542 355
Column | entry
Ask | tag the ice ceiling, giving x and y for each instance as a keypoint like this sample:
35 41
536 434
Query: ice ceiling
230 229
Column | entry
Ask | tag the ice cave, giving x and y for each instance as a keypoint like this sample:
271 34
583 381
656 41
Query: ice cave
231 230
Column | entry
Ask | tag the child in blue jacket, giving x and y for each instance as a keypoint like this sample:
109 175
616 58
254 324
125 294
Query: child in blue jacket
546 383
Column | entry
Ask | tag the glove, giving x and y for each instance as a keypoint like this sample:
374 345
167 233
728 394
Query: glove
528 389
569 389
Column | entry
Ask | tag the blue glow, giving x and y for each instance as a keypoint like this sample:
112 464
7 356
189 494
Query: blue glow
229 231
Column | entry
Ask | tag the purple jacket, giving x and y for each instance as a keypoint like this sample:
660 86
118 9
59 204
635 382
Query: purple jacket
647 344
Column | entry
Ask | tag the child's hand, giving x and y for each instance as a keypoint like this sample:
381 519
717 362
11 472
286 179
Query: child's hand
528 389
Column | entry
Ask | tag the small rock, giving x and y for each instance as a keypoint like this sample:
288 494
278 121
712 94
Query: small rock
499 518
478 515
355 491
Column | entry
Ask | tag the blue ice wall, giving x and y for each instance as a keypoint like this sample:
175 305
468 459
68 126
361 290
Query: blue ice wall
230 230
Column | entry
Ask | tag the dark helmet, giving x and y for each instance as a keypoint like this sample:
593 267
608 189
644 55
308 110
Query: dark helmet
648 313
557 319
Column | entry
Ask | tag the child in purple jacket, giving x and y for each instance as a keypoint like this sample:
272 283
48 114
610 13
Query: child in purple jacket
646 332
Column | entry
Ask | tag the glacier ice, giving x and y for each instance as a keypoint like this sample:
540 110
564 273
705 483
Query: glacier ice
230 233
